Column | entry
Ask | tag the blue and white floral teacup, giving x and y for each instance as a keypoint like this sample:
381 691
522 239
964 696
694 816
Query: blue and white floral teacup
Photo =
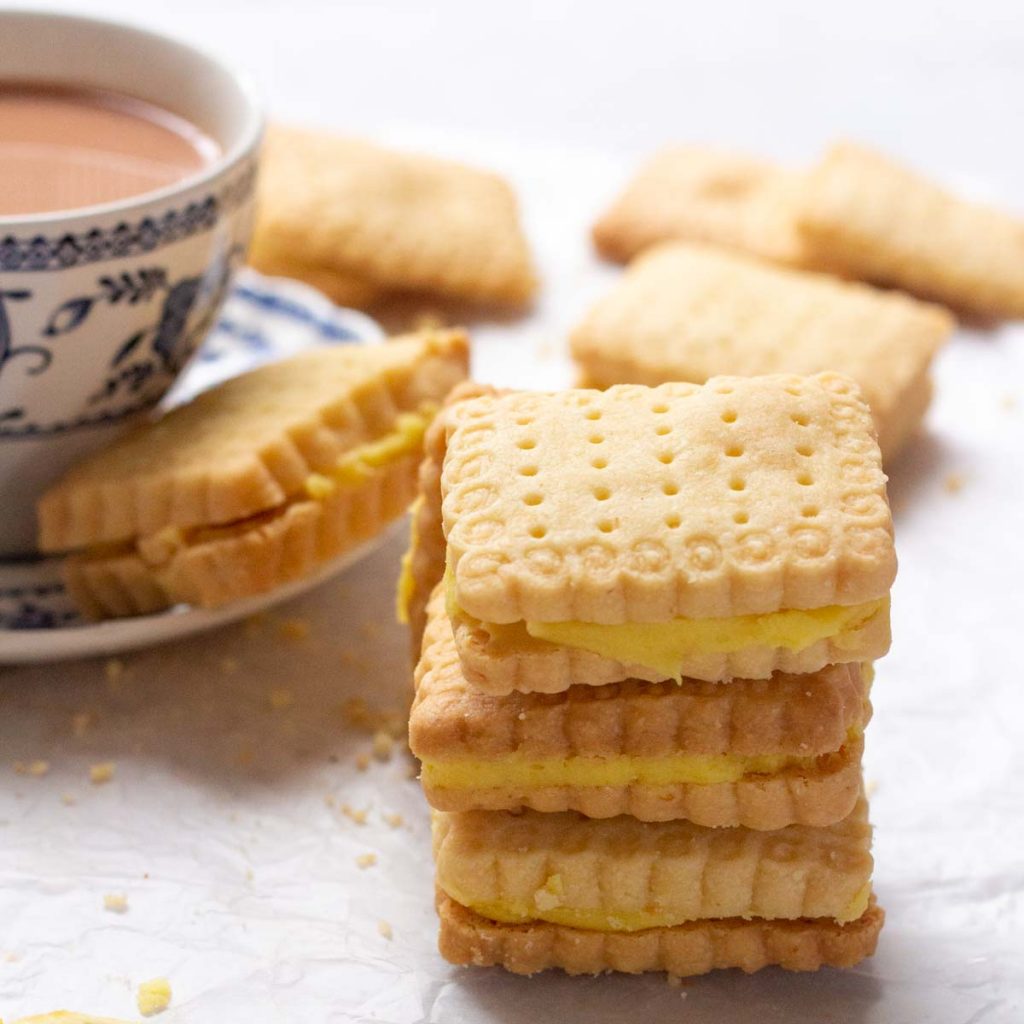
101 307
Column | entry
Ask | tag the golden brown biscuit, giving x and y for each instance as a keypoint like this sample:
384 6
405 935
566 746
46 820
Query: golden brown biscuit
366 220
423 563
872 218
689 312
254 483
700 194
728 530
759 753
696 948
624 875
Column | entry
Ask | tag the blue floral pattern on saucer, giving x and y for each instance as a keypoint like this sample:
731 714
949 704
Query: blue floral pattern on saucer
263 319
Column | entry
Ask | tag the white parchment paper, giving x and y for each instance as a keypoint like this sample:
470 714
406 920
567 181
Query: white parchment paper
223 824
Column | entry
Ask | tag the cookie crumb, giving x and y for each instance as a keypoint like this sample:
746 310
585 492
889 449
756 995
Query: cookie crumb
354 814
293 629
37 768
280 698
68 799
954 483
154 996
870 787
384 930
1009 402
114 669
551 894
362 761
366 860
383 745
101 772
394 820
116 903
229 665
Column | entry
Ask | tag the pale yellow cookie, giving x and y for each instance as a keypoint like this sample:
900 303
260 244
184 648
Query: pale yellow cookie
624 875
689 312
733 529
255 483
697 193
343 210
875 219
759 753
685 950
423 563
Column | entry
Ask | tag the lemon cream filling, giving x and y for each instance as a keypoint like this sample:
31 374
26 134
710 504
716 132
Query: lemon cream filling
548 905
406 581
519 772
359 465
353 468
662 646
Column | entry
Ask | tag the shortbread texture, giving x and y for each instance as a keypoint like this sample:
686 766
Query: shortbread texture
872 218
683 951
633 875
249 445
256 483
423 566
743 496
688 312
702 194
359 220
817 718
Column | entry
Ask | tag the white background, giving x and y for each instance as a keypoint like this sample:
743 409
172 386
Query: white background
241 881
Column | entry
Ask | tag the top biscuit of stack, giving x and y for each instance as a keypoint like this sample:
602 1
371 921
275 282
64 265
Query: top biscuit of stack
727 502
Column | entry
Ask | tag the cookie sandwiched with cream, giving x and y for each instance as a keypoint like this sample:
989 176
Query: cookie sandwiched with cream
255 483
689 312
360 221
728 530
532 891
762 753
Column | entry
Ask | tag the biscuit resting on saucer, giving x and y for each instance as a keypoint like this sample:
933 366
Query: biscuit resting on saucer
255 483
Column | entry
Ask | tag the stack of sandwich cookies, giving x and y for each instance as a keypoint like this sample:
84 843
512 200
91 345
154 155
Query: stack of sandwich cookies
651 631
255 483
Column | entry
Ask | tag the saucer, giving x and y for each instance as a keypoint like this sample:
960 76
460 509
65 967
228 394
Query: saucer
263 319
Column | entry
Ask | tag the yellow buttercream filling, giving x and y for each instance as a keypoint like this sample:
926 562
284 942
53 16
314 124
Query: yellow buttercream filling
662 646
514 770
406 581
359 465
547 906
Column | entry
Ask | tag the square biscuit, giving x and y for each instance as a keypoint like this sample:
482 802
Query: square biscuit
256 483
697 193
688 312
742 496
624 875
758 753
872 218
363 220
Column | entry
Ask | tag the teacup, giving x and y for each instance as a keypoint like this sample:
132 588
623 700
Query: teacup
102 306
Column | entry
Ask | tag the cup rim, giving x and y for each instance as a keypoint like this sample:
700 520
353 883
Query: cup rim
250 134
